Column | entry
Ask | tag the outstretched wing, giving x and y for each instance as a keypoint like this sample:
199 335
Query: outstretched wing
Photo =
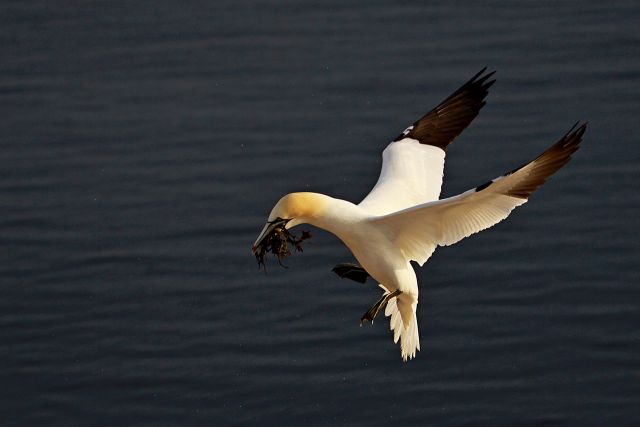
418 230
413 164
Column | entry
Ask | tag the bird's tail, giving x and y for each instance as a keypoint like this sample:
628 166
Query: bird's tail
404 323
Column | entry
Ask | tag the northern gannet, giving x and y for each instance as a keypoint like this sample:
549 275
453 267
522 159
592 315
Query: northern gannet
401 219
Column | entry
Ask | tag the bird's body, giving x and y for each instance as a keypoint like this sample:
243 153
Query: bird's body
402 220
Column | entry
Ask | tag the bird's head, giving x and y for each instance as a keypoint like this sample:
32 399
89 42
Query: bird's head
291 210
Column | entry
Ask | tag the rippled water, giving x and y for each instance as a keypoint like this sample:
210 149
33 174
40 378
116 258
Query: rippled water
144 144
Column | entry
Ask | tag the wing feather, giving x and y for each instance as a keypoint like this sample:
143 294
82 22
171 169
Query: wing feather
441 125
418 230
413 164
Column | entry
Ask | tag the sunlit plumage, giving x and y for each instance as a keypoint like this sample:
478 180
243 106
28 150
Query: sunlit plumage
402 220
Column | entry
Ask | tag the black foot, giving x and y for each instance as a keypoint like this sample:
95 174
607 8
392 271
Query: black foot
351 271
371 314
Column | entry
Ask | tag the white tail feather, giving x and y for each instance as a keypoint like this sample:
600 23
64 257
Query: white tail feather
404 306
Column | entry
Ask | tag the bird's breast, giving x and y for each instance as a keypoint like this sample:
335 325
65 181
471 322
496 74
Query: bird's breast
376 254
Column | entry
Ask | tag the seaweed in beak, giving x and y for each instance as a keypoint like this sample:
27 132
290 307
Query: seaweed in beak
276 239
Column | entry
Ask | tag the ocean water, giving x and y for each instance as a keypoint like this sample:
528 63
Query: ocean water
143 145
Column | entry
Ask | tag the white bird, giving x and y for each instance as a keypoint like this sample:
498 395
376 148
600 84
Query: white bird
401 219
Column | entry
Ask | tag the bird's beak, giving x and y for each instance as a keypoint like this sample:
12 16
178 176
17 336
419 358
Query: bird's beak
268 228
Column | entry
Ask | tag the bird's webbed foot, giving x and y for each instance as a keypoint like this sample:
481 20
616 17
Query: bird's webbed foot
351 271
371 314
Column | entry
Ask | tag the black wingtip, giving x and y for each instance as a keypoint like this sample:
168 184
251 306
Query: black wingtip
479 73
576 131
573 137
546 164
488 84
446 121
481 80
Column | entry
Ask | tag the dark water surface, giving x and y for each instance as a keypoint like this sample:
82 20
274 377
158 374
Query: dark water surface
144 143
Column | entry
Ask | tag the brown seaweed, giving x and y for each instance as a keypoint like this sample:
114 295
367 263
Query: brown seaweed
279 243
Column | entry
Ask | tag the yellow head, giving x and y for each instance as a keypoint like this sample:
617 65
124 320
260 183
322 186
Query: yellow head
299 206
294 209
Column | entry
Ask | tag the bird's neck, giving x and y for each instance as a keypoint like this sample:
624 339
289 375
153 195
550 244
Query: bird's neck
336 216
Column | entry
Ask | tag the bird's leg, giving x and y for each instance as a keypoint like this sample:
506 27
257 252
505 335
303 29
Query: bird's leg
379 305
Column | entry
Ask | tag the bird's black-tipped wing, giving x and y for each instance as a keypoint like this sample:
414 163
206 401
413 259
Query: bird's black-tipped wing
418 230
413 164
547 163
445 122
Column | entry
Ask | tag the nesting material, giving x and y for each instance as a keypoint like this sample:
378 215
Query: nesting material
279 243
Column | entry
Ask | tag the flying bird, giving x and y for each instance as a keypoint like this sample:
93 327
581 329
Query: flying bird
402 219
